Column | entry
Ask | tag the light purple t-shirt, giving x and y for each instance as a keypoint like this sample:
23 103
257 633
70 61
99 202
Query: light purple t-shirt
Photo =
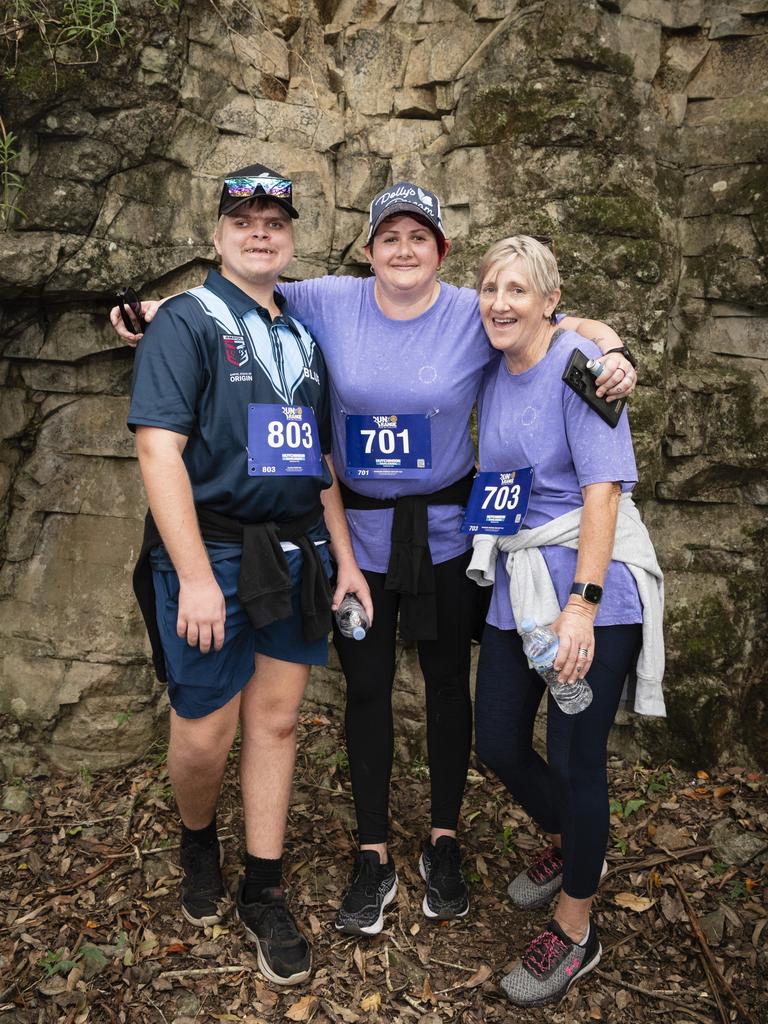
432 364
534 419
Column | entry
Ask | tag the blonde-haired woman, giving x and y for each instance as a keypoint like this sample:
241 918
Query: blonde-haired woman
604 604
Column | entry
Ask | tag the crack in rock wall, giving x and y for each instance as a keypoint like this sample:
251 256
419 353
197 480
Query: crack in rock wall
632 132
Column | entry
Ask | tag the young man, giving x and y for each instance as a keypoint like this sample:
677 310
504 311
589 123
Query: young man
231 413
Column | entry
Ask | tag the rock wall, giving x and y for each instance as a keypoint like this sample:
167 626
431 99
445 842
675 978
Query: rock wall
632 132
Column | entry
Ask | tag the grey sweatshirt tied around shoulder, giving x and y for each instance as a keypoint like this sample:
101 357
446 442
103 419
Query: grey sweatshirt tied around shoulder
532 593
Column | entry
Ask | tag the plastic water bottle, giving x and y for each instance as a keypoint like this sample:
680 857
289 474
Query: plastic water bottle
540 644
351 618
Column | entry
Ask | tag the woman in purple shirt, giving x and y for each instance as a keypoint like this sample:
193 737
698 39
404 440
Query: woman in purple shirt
529 419
406 352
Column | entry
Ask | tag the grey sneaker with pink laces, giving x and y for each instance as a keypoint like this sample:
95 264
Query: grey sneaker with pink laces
550 965
535 887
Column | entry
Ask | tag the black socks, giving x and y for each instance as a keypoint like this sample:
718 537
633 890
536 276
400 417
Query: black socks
261 873
199 836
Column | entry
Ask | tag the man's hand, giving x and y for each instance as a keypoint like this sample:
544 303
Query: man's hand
350 580
618 379
148 311
202 614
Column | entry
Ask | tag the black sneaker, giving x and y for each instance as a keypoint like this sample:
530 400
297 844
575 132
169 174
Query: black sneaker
440 867
550 965
204 896
284 955
374 886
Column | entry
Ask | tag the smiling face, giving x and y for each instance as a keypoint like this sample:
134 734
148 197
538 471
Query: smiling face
515 315
255 244
404 255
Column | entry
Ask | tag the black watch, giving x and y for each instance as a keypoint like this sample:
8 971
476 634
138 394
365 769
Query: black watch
589 591
624 350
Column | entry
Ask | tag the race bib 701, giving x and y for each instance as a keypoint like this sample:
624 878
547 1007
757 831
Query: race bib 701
390 445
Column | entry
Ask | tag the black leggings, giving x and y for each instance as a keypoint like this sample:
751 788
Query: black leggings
369 668
569 794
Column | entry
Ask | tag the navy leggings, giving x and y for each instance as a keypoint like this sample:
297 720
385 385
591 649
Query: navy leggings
568 793
369 669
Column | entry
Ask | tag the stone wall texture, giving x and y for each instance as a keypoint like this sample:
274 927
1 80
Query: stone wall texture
633 132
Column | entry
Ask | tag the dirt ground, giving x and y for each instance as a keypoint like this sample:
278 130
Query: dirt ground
90 928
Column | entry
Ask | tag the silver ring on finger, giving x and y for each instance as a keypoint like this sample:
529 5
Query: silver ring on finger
584 652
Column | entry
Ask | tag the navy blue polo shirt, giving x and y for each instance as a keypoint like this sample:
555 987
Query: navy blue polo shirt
206 355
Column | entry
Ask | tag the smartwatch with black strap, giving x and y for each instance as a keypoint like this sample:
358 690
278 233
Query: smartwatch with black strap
590 592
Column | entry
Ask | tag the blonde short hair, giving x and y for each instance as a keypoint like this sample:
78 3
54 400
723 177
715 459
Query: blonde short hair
539 262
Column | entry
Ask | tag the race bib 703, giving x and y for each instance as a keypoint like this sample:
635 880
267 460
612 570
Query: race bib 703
498 502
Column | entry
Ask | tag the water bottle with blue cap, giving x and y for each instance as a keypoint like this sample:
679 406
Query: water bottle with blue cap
351 618
540 644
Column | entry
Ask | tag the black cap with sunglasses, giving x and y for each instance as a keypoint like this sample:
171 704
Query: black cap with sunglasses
254 182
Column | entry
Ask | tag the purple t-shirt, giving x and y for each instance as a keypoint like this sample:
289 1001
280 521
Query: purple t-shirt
534 419
432 364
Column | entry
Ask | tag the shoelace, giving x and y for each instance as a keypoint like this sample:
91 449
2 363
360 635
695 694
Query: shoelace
543 952
365 878
283 926
446 861
548 864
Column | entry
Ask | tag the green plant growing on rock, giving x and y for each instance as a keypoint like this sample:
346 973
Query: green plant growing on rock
91 22
10 182
86 24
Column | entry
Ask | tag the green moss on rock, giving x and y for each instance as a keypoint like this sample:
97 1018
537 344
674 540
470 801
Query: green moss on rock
625 214
694 705
702 632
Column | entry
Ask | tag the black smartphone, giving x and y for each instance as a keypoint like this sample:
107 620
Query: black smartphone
128 300
579 379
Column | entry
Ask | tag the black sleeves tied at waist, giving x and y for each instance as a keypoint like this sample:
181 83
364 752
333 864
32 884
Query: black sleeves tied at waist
264 585
410 571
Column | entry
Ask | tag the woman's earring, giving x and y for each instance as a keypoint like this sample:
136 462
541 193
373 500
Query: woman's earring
553 317
370 267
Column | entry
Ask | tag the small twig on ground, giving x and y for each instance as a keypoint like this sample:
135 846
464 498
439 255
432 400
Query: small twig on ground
625 940
200 972
653 994
153 1003
413 1002
129 813
713 989
447 963
223 838
709 956
387 977
652 862
56 822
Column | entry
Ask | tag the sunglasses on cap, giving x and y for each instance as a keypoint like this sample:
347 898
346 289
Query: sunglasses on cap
244 188
129 303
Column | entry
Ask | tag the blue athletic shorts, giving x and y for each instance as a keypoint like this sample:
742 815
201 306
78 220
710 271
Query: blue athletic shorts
201 683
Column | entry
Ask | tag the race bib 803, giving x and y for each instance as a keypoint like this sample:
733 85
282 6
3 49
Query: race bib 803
283 441
498 502
389 446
